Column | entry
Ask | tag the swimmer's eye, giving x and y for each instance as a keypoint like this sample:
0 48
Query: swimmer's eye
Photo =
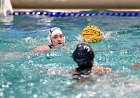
56 36
61 36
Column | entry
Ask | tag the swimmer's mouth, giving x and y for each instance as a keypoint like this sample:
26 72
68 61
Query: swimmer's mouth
59 43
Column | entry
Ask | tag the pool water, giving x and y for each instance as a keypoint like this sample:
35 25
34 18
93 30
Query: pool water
44 74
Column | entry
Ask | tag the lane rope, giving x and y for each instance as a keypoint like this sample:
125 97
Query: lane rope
76 14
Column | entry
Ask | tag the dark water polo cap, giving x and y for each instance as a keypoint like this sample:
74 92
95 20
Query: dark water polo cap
82 54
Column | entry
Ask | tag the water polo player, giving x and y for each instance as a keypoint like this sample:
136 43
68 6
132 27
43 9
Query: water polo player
55 37
83 55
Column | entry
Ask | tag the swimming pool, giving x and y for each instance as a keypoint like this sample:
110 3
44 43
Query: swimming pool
43 75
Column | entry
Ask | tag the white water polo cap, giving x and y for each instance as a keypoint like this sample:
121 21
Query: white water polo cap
53 31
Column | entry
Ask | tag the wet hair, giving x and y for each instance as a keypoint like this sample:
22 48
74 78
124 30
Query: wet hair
83 55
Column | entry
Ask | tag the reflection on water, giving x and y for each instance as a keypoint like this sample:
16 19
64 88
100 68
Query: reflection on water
7 20
109 86
10 55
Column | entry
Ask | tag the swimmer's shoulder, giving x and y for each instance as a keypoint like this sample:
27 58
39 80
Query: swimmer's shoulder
72 71
41 48
109 34
97 69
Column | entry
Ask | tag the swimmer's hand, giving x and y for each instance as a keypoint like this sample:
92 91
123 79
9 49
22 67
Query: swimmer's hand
79 38
135 66
109 35
105 36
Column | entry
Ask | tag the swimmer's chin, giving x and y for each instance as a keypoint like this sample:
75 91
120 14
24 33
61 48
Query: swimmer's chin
60 44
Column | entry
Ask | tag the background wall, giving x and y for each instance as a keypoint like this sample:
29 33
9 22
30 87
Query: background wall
77 4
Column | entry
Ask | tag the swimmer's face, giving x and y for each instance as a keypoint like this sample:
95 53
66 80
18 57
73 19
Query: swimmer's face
57 39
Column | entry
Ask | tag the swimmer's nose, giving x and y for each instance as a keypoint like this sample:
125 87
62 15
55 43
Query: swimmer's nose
59 39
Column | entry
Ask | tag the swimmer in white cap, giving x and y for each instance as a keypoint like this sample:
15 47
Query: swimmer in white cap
55 37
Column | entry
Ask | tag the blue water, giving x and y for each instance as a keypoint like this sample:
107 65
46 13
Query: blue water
44 74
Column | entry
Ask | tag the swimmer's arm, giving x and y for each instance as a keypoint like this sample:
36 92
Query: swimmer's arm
97 69
41 48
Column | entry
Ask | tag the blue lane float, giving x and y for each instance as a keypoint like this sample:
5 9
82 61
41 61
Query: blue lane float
77 14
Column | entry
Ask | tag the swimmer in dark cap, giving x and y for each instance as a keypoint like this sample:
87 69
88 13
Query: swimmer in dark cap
83 55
